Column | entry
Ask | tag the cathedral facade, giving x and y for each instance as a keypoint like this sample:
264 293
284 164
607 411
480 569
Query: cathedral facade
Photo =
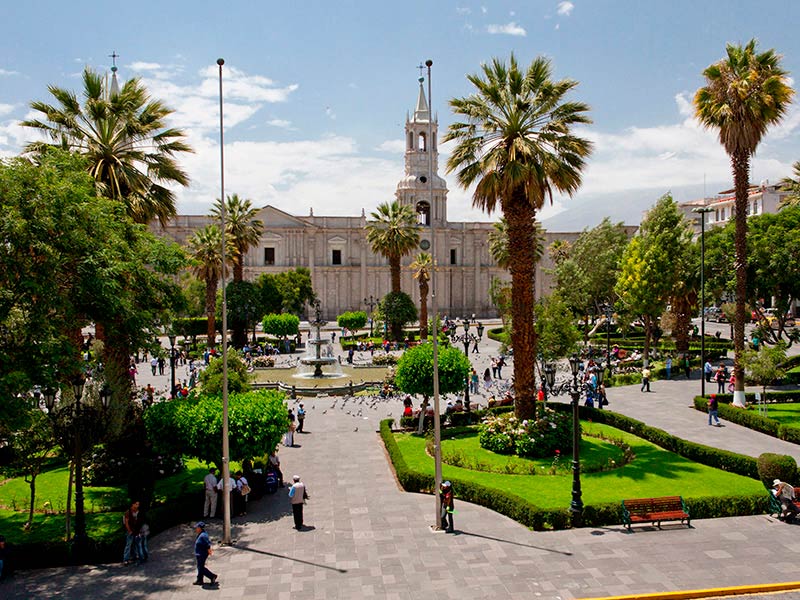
345 272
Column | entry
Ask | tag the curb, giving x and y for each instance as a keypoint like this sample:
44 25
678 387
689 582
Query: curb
709 593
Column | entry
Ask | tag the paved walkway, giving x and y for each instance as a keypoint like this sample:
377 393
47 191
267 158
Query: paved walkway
368 539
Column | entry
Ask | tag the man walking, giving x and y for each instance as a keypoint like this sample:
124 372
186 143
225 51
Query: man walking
713 409
646 379
202 550
301 417
446 497
210 483
297 496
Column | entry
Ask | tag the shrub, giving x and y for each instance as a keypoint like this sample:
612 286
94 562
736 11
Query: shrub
238 377
384 359
263 362
415 370
776 466
534 438
284 324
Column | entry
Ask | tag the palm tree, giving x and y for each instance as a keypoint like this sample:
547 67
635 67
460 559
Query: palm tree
241 227
792 185
206 253
559 251
498 242
393 233
242 231
422 266
517 147
123 135
745 93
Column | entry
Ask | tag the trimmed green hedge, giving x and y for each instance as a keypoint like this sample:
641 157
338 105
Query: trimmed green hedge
595 515
750 419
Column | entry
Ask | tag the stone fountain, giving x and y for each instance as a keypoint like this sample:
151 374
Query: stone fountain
319 352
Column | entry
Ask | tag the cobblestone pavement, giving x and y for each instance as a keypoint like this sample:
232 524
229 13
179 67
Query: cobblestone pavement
365 538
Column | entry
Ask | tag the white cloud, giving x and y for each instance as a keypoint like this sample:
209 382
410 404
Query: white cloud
507 29
463 10
145 66
484 10
394 146
5 109
565 8
7 72
281 123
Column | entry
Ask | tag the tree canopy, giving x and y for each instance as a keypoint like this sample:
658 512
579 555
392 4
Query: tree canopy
415 370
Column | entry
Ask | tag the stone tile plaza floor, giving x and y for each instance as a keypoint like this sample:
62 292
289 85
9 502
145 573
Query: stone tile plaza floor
366 538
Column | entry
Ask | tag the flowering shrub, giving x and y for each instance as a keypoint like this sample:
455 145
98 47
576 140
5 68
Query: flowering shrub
384 359
106 468
535 438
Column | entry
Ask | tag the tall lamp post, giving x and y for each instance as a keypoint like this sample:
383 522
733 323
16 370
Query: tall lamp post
576 506
371 304
702 210
608 311
480 331
172 364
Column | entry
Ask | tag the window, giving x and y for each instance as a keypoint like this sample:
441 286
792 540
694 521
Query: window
453 256
423 212
269 256
336 257
423 143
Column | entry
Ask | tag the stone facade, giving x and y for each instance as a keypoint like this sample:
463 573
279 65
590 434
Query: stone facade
345 271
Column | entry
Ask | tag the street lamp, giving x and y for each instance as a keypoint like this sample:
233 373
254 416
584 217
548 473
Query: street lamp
49 400
80 516
608 310
371 304
172 364
702 210
466 325
480 331
576 506
105 396
549 378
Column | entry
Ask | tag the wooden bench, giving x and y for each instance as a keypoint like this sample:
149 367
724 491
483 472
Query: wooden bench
654 510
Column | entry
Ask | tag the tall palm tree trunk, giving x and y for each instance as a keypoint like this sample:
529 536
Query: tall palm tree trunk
522 264
423 311
740 162
239 335
394 270
211 313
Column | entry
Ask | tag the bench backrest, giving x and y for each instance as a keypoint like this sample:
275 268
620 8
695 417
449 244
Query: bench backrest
647 505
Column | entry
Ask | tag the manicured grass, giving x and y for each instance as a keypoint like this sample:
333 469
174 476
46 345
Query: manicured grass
654 472
785 413
465 451
104 505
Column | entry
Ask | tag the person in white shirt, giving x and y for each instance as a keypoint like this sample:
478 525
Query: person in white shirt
297 496
210 484
232 488
242 491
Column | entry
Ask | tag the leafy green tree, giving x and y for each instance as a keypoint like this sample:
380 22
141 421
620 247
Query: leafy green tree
422 267
516 146
129 150
414 373
585 276
281 325
745 93
764 367
31 446
685 291
555 327
269 300
648 277
243 307
392 232
352 320
194 292
295 289
193 426
238 377
500 297
397 309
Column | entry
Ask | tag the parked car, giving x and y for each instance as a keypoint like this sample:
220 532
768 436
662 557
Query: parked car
714 313
770 319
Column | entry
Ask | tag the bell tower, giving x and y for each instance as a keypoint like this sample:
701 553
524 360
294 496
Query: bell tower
415 187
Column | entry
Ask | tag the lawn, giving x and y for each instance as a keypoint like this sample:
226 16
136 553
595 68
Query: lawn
784 413
654 472
104 505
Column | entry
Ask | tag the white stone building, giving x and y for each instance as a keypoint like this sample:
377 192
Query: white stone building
345 271
761 199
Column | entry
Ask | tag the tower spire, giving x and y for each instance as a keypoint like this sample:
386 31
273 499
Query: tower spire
421 112
114 89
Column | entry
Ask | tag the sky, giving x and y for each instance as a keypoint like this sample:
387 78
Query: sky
316 93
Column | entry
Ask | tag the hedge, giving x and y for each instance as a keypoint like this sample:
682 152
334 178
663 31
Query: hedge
595 515
750 419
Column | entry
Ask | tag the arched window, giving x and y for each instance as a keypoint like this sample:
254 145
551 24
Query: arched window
410 141
423 142
433 141
423 213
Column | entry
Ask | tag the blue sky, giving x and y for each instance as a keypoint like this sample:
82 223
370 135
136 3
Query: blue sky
317 92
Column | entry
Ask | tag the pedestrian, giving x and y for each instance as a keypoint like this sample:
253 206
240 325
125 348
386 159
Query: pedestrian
210 484
162 362
602 399
687 366
475 347
487 379
645 379
288 438
4 568
708 371
133 526
501 362
668 366
202 550
242 493
494 367
301 418
720 377
275 463
473 382
446 498
154 364
231 489
785 495
713 410
298 494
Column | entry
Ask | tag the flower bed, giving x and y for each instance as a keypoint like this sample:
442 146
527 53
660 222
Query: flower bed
535 438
